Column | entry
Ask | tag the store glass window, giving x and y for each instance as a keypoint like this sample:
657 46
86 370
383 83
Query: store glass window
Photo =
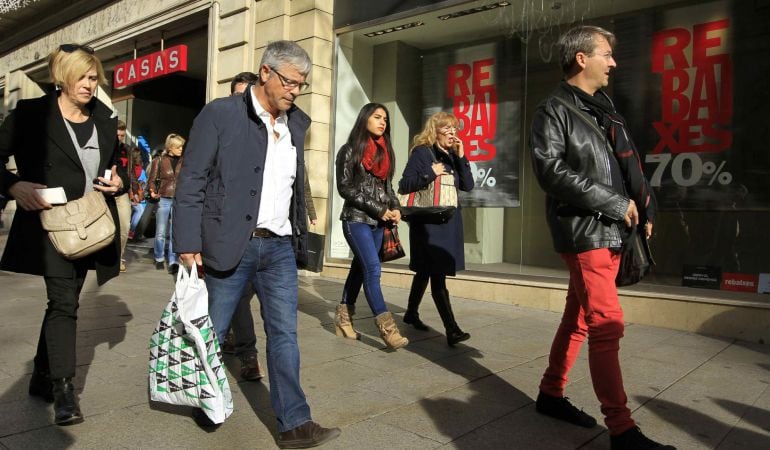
691 81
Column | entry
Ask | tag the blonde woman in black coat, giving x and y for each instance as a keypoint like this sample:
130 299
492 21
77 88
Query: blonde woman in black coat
64 139
436 249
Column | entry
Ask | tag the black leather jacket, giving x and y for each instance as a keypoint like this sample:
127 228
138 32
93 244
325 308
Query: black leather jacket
570 156
366 196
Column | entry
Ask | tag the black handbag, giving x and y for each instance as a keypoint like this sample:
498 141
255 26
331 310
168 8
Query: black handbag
635 258
315 252
391 245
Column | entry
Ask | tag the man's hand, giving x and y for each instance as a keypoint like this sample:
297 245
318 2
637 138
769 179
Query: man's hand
632 214
27 197
188 259
648 230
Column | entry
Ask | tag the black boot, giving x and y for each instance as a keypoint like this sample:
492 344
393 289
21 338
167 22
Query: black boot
411 316
40 386
453 332
65 403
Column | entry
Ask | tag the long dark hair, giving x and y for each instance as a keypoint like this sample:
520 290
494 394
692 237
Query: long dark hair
359 137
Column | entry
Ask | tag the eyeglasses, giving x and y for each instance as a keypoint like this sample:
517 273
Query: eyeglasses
69 48
448 130
290 84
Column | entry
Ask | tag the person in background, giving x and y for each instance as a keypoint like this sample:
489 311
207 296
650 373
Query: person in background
587 164
365 166
123 201
311 214
64 139
137 193
240 212
3 203
436 249
241 339
166 168
241 81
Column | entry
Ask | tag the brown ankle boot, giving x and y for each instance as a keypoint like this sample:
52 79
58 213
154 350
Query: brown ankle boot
389 332
343 325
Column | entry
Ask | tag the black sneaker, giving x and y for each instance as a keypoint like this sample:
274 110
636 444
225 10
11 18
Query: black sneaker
159 265
633 439
562 409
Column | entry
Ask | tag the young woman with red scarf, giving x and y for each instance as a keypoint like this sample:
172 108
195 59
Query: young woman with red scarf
365 166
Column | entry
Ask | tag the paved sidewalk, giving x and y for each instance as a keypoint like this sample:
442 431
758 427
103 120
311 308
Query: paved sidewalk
688 390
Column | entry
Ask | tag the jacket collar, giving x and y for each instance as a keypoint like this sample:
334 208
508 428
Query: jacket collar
57 132
294 115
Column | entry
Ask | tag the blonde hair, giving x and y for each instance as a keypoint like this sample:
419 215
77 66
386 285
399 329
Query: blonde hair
66 68
174 140
429 132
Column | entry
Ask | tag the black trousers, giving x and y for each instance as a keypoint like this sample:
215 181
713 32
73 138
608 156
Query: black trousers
56 346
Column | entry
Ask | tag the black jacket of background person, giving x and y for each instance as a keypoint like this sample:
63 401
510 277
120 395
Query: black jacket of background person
366 196
35 134
571 163
219 187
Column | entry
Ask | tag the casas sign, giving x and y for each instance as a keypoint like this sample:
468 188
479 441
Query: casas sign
164 62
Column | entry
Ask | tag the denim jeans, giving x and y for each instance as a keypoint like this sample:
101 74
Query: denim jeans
242 324
269 265
365 241
163 227
136 214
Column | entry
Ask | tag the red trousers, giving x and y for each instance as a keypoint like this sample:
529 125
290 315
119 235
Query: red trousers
592 310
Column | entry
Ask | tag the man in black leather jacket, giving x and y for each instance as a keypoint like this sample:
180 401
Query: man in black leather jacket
590 171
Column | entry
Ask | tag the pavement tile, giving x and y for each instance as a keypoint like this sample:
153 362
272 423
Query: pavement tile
686 389
446 416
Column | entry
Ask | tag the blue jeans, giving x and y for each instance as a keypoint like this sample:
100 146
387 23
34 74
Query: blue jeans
365 241
163 227
269 265
136 214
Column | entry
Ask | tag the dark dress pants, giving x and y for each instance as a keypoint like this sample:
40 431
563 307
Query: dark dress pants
56 346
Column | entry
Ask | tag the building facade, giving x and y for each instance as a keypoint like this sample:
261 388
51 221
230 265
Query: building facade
692 82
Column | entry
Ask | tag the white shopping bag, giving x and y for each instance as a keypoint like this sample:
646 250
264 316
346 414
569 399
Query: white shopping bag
185 360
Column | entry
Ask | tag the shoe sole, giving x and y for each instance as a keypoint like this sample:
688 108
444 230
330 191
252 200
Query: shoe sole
563 419
71 421
309 443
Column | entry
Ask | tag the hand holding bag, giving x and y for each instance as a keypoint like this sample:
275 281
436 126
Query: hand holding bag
635 258
391 245
185 365
435 203
79 227
315 252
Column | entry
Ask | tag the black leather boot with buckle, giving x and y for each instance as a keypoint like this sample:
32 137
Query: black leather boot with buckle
65 403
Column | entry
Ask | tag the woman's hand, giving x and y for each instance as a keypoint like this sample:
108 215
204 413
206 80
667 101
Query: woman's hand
457 146
392 215
27 197
111 186
438 169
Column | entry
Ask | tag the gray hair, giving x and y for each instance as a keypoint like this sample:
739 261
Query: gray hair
278 53
580 39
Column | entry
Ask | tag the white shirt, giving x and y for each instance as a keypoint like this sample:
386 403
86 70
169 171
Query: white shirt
279 173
